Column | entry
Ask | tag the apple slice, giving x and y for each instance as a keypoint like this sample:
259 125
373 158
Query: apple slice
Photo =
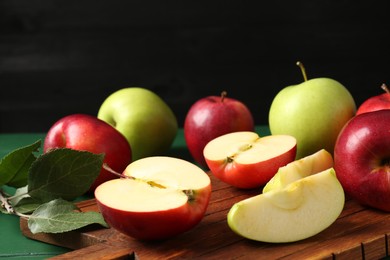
299 169
244 160
300 210
160 197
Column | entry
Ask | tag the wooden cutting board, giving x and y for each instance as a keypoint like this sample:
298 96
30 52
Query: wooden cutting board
359 233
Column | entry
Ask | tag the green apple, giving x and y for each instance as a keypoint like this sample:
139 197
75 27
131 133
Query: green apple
295 212
299 169
313 112
147 122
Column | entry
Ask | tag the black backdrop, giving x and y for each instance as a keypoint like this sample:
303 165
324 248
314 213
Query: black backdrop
59 57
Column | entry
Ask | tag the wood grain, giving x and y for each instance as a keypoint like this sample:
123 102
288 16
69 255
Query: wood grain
359 232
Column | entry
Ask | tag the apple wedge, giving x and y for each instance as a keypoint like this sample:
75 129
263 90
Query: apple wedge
245 160
299 169
159 198
297 211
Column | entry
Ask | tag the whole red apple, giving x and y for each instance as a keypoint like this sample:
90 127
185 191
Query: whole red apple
211 117
88 133
375 103
362 159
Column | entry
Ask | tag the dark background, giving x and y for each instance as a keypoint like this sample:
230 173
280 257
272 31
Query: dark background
59 57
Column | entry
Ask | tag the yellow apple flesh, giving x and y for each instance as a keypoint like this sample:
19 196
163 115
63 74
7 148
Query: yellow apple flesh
299 169
160 198
300 210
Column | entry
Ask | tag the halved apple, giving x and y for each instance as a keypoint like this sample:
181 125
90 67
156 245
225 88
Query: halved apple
160 197
297 211
245 160
309 165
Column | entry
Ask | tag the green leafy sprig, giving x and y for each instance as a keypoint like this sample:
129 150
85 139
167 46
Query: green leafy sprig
46 186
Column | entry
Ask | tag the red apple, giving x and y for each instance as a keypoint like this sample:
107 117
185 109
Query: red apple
245 160
362 159
160 197
88 133
211 117
375 103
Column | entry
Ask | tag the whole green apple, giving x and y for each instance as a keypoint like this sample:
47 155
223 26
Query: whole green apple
147 122
314 112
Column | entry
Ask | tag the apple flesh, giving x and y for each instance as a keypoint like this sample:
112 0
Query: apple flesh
160 197
88 133
245 160
211 117
144 118
362 159
295 212
309 165
375 103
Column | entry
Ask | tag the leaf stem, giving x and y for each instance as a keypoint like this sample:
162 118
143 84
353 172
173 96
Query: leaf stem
17 196
21 215
5 203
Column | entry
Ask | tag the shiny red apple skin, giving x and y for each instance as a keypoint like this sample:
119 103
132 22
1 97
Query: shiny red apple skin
88 133
362 159
375 103
211 117
158 225
250 176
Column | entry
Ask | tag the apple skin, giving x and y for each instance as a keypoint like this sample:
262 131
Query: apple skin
233 170
158 225
88 133
313 112
211 117
361 158
375 103
147 122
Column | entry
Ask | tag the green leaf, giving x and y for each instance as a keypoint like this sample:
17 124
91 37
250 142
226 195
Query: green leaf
14 166
22 202
59 216
19 194
27 205
63 173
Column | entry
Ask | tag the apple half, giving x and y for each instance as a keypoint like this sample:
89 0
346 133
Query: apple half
245 160
160 197
291 211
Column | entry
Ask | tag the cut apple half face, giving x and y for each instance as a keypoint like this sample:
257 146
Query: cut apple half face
309 165
246 160
160 197
299 210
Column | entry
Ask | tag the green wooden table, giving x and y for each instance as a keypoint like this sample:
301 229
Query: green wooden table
13 245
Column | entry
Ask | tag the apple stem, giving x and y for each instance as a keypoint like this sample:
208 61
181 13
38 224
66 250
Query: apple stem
300 65
109 169
385 88
223 95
